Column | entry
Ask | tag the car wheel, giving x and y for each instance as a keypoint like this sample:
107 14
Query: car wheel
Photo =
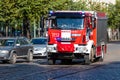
30 56
13 59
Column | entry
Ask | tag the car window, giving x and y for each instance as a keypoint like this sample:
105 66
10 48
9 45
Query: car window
7 42
23 42
18 41
39 41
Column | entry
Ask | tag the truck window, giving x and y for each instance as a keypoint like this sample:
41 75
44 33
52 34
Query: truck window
68 23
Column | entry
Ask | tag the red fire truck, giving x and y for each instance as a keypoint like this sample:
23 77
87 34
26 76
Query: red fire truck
76 35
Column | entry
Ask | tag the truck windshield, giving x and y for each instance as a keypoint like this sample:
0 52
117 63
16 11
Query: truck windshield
68 23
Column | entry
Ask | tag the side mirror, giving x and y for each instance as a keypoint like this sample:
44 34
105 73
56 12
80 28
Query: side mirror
93 23
47 24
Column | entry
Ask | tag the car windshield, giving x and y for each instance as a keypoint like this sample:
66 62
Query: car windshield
68 23
7 42
39 41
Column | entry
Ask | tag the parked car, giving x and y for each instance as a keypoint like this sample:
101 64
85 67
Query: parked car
12 48
40 45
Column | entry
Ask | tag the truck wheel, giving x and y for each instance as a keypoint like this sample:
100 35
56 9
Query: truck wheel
87 59
90 57
92 53
13 59
101 58
51 61
30 56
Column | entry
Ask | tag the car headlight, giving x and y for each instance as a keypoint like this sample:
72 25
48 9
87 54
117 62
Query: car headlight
44 49
4 51
36 49
39 49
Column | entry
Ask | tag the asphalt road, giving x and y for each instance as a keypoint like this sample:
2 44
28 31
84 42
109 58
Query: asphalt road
39 70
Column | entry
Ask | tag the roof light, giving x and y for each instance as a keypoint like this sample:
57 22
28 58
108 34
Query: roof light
82 13
51 12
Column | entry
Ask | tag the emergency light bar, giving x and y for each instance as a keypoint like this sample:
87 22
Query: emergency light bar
81 12
67 13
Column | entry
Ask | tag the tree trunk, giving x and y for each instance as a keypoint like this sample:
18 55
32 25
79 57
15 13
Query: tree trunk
26 27
6 28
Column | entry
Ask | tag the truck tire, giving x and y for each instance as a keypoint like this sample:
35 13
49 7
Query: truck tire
92 53
51 61
30 56
13 59
89 58
101 58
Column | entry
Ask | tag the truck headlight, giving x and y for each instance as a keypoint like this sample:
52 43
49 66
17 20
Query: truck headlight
50 48
82 49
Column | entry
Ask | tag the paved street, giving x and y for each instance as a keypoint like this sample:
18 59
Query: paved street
39 70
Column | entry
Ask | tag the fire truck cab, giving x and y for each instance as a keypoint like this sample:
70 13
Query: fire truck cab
76 35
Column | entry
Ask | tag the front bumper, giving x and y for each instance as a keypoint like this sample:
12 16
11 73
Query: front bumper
65 56
39 53
77 49
4 56
78 53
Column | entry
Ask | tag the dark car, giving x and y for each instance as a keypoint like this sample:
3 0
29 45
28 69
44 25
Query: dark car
40 46
12 48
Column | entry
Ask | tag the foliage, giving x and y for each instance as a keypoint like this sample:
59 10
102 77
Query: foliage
114 15
14 11
8 11
79 5
111 15
117 14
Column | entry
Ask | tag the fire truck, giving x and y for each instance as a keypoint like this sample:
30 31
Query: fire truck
76 35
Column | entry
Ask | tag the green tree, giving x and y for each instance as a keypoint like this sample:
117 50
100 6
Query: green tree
117 14
114 15
8 12
111 15
28 12
79 5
